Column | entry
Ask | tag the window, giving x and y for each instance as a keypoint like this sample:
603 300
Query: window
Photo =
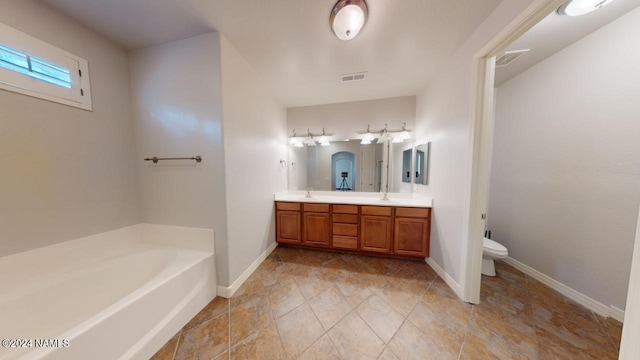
32 67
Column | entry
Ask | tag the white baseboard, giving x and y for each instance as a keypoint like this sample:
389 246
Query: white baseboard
580 298
445 276
228 291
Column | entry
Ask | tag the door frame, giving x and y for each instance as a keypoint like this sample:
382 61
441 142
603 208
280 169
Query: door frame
480 140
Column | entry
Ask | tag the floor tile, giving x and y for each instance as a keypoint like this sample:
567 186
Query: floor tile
330 307
579 328
384 266
551 347
613 328
411 343
298 330
314 282
380 317
289 254
418 270
204 341
261 344
397 297
323 349
251 289
387 354
353 289
440 296
269 265
218 306
354 339
415 277
482 343
284 297
445 330
325 305
168 350
248 318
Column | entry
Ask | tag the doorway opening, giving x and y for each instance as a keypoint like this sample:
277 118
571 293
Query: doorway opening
481 147
343 170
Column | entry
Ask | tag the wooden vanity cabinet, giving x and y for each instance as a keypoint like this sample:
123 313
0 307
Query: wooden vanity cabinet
412 229
384 230
345 227
288 223
316 225
377 228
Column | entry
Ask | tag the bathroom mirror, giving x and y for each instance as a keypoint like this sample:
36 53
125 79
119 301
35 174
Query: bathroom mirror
422 164
341 166
406 165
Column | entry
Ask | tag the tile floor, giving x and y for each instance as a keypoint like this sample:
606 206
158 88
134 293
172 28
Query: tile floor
302 304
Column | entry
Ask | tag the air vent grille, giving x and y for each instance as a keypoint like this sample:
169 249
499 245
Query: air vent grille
509 57
354 77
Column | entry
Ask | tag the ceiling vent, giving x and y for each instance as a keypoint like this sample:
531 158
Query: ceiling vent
354 77
509 57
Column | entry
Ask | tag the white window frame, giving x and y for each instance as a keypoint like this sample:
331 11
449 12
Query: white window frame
79 95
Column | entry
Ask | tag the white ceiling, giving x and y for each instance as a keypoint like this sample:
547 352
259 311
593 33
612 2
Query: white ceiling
556 32
290 43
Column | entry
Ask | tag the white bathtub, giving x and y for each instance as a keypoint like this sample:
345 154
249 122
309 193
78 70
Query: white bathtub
116 295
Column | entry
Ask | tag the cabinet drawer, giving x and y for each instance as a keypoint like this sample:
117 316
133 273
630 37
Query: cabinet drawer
345 229
316 207
345 242
413 212
288 206
345 218
376 210
345 209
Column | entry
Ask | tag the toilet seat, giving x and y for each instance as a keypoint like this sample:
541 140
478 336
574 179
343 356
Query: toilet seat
492 247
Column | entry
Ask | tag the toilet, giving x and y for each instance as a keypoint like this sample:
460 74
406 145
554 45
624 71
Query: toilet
491 251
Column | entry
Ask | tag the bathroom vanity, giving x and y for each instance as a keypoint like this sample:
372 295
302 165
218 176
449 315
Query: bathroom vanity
364 224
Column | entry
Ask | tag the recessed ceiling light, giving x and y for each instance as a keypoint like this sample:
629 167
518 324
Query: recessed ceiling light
581 7
348 17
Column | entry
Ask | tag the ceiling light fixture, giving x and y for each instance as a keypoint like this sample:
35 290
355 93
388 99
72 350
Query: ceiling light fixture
348 18
581 7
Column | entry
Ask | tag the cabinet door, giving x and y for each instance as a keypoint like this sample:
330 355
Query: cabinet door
288 227
411 237
317 229
375 233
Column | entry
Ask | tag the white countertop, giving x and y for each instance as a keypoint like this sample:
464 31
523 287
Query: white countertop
355 198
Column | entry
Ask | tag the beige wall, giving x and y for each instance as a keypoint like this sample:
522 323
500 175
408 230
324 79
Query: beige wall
177 101
565 180
254 143
66 172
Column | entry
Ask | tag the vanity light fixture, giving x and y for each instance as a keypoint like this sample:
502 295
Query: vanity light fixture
384 134
397 139
368 137
309 141
581 7
324 140
404 135
348 18
295 141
